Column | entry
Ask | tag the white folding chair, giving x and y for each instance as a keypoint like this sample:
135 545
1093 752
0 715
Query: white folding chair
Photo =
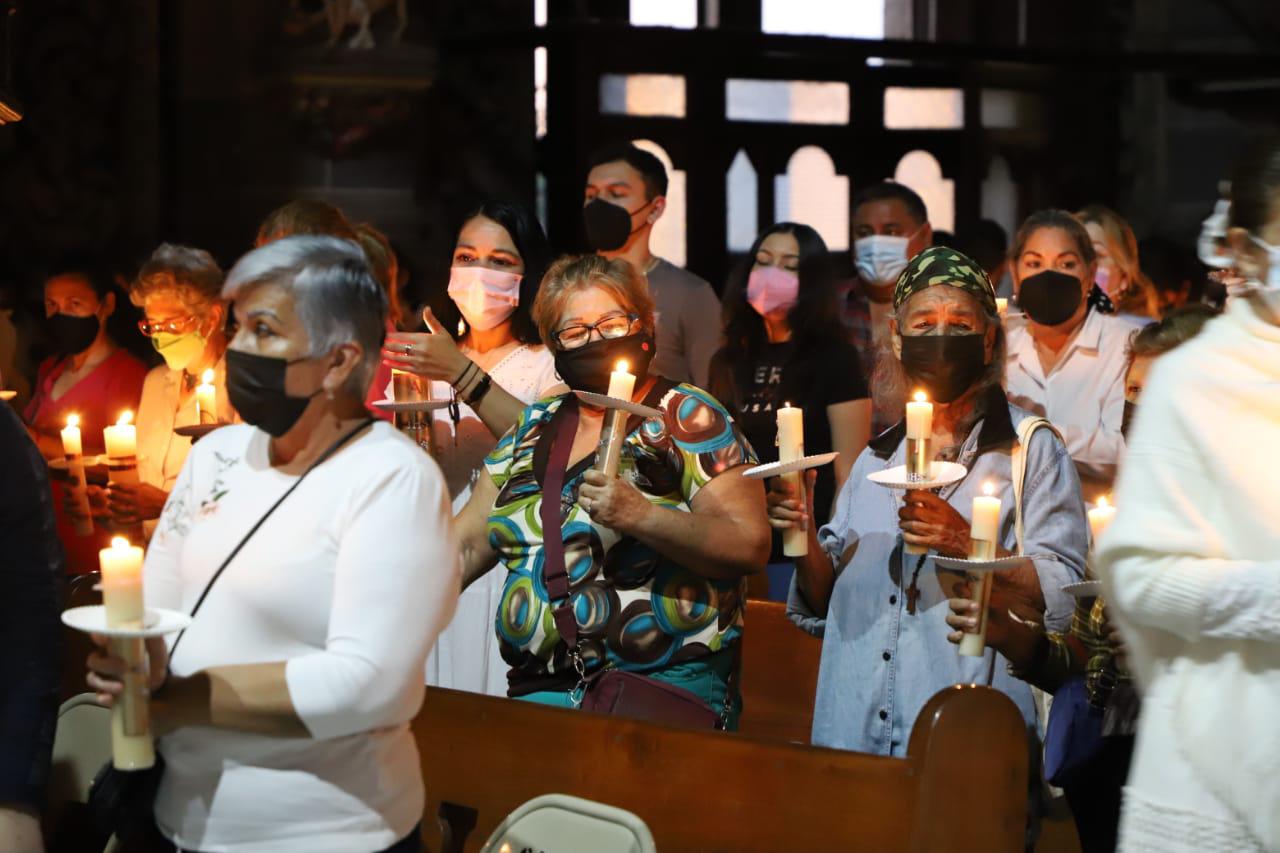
558 823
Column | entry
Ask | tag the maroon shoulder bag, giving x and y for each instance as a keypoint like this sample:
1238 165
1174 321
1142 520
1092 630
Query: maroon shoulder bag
608 690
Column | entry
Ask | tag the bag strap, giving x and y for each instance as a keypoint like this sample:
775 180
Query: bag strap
554 571
1026 428
333 448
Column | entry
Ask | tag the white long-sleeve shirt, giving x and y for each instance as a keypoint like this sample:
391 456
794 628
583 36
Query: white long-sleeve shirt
349 581
1083 395
1191 567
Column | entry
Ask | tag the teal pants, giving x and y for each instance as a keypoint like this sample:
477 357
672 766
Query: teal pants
708 679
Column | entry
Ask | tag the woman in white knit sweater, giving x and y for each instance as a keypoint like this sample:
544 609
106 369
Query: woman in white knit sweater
1192 563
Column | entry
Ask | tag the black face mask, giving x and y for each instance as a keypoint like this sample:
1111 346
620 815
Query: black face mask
1126 421
587 368
945 365
608 226
1050 297
72 334
255 387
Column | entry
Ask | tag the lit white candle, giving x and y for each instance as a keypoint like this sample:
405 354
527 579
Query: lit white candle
121 438
795 542
121 566
1100 517
73 448
919 417
1002 306
985 526
206 400
622 383
71 443
983 530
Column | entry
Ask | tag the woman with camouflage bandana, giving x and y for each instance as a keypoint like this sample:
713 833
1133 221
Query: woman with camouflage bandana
871 602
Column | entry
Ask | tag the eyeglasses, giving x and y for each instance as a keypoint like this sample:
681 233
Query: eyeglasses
578 335
175 326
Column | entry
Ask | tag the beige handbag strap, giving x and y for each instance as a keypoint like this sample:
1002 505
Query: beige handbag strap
1026 428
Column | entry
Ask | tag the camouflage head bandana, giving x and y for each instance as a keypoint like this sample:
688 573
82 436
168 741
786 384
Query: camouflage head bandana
944 265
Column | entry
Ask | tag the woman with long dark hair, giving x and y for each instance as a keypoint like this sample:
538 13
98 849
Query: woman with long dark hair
784 344
484 349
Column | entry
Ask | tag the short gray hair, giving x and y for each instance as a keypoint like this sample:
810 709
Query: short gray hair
191 273
334 293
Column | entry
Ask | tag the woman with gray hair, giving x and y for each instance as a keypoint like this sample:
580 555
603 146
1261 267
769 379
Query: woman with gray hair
179 290
315 551
882 611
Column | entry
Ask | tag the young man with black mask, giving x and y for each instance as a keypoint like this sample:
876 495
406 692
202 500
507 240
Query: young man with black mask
625 194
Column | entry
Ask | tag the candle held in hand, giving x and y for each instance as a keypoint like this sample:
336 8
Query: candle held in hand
795 542
919 432
983 532
71 443
1100 518
121 566
73 449
122 438
622 385
206 400
1002 306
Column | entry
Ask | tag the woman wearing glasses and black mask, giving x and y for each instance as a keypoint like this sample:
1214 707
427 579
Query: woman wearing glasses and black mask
1066 361
640 574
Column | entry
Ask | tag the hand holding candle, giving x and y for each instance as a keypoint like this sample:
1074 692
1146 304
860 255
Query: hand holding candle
622 385
206 400
983 534
795 541
78 492
121 565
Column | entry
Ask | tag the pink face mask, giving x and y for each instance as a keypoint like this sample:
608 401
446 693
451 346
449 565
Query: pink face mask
771 289
485 297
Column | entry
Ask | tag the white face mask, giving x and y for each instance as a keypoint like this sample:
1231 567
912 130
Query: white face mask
485 297
880 258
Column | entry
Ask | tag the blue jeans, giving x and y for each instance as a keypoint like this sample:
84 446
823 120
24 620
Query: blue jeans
708 679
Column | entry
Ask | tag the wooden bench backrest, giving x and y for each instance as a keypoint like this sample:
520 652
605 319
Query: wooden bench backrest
961 788
779 675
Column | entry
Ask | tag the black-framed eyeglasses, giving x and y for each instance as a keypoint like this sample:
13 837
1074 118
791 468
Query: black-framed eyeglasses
579 334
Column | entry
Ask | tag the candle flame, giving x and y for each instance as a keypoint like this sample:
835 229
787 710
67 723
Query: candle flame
621 366
920 397
988 488
73 420
462 327
1103 503
119 542
126 418
207 377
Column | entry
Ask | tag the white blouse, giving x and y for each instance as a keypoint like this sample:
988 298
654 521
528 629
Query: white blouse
1083 395
349 581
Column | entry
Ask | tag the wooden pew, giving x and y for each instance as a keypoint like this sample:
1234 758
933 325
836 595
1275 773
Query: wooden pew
963 786
779 675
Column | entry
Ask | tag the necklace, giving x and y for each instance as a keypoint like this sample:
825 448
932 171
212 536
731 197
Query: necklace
913 591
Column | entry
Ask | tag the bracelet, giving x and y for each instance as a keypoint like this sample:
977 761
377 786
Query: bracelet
481 388
465 371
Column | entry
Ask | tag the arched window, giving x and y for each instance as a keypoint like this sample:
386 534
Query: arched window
812 193
1000 195
741 220
668 239
920 171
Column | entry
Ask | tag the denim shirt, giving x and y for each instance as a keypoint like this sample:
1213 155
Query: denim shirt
881 664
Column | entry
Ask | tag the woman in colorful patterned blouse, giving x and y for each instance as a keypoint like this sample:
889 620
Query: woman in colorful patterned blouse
656 558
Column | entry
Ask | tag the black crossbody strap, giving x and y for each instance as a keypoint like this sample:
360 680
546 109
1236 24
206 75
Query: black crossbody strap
333 448
554 571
